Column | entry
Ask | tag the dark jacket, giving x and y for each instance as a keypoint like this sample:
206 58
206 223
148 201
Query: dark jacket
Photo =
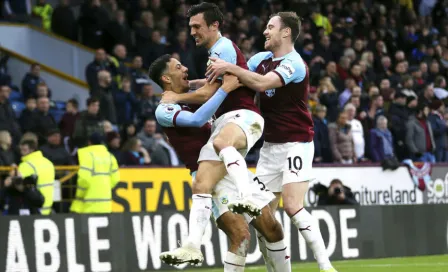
92 72
85 126
58 155
7 157
29 85
126 106
116 33
107 105
26 119
12 201
325 199
321 140
63 23
67 124
330 100
398 117
439 130
147 108
118 154
8 121
379 141
139 78
92 22
41 124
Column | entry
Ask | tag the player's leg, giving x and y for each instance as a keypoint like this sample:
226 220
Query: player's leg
296 176
239 132
237 230
208 174
270 234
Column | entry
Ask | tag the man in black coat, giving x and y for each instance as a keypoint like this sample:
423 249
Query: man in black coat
31 80
8 120
20 198
63 21
398 116
54 151
100 62
93 19
43 121
322 149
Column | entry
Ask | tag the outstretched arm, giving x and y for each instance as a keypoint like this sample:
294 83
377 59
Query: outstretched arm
199 96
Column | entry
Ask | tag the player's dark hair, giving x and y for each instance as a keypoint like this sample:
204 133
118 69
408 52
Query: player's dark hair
292 20
158 67
211 12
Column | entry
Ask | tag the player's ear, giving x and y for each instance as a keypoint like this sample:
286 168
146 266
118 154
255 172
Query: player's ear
286 32
215 26
166 79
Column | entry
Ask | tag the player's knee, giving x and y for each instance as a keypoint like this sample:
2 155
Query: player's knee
219 143
240 239
274 232
291 205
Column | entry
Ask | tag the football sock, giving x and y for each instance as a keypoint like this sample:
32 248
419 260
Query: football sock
200 212
310 231
262 247
277 254
237 168
234 263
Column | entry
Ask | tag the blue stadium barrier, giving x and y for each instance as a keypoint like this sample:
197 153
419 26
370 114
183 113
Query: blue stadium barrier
18 107
57 114
60 105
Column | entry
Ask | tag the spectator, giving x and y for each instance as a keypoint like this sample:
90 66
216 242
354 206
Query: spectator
332 72
42 90
125 103
419 136
113 145
108 127
117 31
118 63
328 97
143 32
104 91
129 130
139 76
440 88
427 95
321 21
350 85
134 153
67 123
93 19
100 62
63 21
322 149
30 81
89 122
44 10
183 47
7 155
381 141
398 116
439 128
148 103
357 131
17 10
335 194
341 140
54 151
155 50
26 116
42 120
148 138
20 197
8 119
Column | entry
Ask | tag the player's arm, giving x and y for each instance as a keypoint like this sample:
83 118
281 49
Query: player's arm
170 115
197 83
199 96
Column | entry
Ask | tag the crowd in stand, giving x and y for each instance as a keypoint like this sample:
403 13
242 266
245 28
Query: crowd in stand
377 70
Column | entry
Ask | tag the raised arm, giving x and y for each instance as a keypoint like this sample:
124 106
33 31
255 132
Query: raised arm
199 96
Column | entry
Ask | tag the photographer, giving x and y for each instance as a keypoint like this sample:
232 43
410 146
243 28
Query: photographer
20 196
335 194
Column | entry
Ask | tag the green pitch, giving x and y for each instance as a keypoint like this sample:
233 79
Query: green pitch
409 264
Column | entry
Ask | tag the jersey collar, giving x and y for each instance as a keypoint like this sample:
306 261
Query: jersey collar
280 58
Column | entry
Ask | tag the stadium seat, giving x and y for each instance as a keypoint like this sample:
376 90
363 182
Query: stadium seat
15 96
57 114
18 107
60 105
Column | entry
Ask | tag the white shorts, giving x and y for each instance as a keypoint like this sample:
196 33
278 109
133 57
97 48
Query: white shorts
284 163
226 191
249 121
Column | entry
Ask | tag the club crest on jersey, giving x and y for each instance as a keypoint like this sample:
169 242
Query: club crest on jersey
224 200
270 93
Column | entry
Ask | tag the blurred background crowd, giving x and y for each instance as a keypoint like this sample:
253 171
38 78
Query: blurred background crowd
378 74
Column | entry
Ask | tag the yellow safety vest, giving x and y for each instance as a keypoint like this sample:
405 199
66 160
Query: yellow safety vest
36 164
97 176
45 12
322 21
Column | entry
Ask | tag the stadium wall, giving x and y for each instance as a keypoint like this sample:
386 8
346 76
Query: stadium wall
132 242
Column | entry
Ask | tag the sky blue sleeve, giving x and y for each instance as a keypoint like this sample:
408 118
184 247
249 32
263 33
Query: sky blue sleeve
225 51
165 114
256 60
203 114
291 70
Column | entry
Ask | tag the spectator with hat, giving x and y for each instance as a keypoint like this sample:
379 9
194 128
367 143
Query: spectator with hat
54 150
439 129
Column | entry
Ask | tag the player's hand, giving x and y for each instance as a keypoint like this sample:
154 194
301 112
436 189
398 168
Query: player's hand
169 97
230 83
217 68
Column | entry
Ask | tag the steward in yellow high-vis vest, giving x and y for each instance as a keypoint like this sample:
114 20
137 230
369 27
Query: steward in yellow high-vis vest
97 176
34 163
45 11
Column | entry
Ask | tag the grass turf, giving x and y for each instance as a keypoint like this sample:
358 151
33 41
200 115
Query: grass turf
409 264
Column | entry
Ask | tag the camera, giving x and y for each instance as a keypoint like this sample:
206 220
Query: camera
27 181
337 190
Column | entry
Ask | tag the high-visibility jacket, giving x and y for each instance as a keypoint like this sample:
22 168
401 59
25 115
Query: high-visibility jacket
97 176
322 21
36 164
45 12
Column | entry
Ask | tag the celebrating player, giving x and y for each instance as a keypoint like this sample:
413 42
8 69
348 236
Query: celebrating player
188 130
238 127
286 157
